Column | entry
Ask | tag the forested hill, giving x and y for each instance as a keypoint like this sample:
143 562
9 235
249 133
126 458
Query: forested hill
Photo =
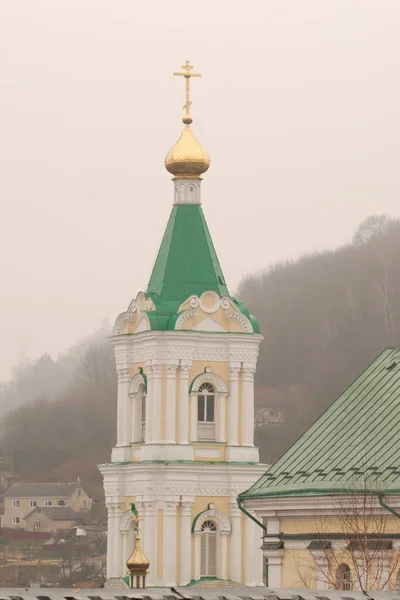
324 318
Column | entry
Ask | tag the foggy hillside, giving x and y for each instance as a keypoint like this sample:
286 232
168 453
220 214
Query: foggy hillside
324 318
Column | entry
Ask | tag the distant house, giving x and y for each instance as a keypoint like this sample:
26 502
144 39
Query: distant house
21 499
52 518
268 407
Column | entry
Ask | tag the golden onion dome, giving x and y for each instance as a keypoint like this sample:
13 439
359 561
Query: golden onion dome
138 562
188 157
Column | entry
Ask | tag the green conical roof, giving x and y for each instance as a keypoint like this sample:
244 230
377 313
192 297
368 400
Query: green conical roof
354 445
186 263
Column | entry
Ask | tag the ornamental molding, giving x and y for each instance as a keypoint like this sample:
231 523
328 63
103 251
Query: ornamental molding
138 306
202 301
241 319
174 489
123 371
214 515
136 381
212 378
131 317
121 320
166 353
126 521
183 317
141 303
113 506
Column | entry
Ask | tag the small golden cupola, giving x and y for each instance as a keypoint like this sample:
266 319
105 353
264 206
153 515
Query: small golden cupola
137 563
187 159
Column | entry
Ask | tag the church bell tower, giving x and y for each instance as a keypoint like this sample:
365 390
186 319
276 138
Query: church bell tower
186 353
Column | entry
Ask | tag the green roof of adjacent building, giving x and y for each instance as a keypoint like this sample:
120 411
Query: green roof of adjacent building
186 263
354 445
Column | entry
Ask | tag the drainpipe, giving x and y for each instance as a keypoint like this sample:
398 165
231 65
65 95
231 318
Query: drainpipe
246 512
384 505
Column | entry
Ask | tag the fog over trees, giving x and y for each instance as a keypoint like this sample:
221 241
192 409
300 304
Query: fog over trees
324 318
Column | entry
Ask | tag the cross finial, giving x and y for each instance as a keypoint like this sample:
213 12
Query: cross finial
136 520
187 74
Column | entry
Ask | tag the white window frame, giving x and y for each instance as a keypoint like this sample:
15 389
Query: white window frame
48 502
208 549
33 503
37 525
16 521
205 428
17 503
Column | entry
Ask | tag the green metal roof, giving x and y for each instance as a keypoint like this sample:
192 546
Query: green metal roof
186 265
187 262
354 445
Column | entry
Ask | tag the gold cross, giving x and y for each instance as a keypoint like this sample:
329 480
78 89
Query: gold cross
136 523
187 74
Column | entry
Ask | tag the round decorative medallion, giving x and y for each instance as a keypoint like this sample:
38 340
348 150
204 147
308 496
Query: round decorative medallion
209 302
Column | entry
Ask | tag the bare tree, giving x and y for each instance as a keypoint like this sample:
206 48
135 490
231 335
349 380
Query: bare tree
354 548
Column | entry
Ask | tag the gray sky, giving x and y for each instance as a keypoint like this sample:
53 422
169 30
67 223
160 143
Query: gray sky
298 108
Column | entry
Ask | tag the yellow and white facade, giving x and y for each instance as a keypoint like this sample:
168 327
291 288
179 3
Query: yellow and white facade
186 354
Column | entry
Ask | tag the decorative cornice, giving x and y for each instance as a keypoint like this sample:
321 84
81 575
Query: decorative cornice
123 371
113 506
165 353
173 489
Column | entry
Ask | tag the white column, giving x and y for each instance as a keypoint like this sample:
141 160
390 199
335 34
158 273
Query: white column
118 543
110 538
249 562
157 403
197 555
125 551
193 417
233 404
186 546
247 416
222 419
127 431
274 568
149 537
321 570
170 544
236 543
259 561
224 555
170 412
149 405
184 402
120 404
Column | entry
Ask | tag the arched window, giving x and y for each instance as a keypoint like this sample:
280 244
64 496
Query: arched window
206 413
208 563
343 577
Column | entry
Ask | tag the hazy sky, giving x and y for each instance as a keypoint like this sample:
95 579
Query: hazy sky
298 107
